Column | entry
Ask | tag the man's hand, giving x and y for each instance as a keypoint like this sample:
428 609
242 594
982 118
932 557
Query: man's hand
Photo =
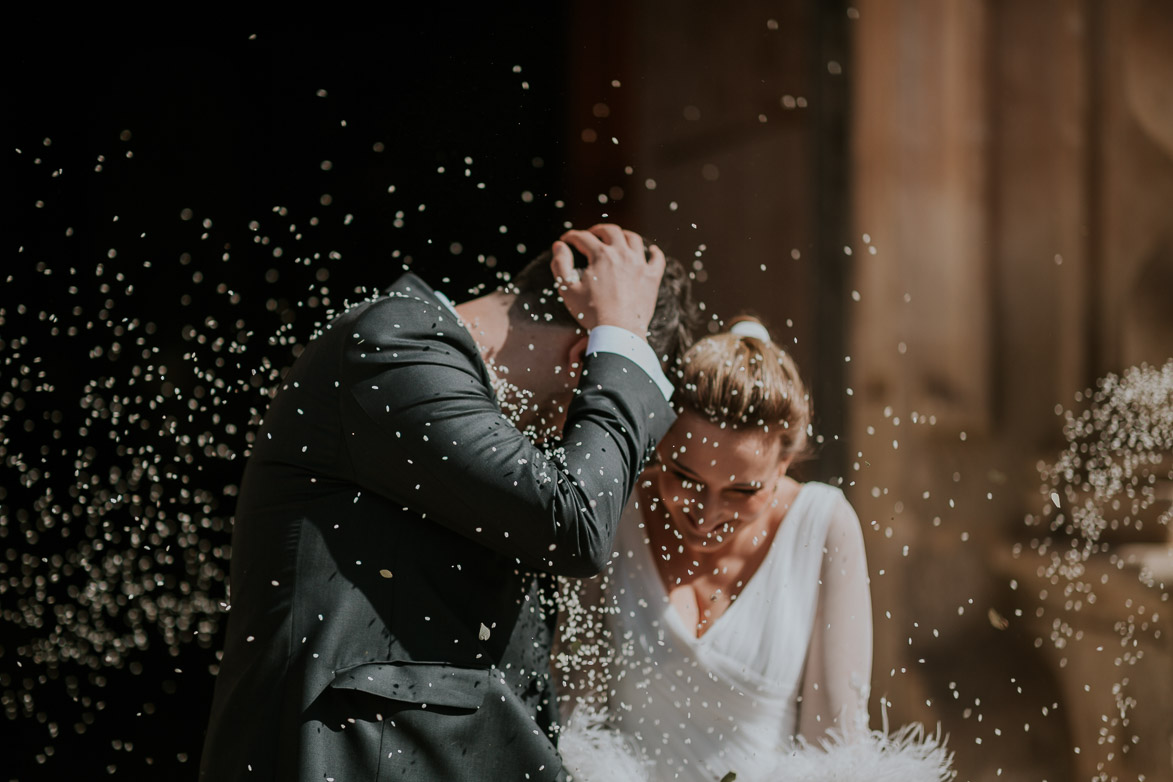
620 283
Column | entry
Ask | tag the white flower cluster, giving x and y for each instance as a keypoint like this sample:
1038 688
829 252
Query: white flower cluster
1119 451
1108 486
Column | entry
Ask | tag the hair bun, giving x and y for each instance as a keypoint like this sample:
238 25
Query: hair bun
751 328
749 385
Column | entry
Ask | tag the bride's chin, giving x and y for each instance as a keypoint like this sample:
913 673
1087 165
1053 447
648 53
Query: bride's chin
708 541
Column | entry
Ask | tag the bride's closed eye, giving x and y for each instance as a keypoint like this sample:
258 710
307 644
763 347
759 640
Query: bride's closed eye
687 481
748 491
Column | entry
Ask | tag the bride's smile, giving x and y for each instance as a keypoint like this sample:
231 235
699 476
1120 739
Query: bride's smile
715 484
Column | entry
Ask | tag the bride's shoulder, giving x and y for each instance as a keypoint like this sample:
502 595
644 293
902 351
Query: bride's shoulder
844 532
832 506
831 497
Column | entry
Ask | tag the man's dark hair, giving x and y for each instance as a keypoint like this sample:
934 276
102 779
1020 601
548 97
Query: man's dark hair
669 333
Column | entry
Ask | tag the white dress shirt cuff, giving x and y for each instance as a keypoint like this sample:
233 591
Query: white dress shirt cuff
613 339
447 302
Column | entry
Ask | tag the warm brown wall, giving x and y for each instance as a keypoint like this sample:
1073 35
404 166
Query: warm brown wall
739 123
1021 212
1011 166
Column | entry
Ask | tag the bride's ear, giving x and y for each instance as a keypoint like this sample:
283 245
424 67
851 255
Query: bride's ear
576 355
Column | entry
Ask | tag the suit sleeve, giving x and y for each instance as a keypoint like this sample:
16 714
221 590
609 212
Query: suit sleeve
424 430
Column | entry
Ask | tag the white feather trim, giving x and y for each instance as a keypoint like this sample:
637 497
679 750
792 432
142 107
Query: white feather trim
593 751
908 755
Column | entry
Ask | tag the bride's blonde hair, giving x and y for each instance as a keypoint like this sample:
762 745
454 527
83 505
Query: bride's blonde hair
745 381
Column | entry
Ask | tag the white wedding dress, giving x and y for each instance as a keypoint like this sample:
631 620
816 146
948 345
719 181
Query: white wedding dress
682 708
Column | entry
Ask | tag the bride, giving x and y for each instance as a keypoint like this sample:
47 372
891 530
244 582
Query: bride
735 619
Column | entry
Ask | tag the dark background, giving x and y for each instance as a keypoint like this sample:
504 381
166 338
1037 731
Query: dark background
166 189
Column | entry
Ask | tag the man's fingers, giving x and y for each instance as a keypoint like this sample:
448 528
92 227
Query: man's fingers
634 241
584 241
562 264
656 260
615 289
610 234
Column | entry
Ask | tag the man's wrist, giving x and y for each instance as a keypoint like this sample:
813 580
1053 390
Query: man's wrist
616 339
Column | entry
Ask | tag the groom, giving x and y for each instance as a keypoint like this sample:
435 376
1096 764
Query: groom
397 536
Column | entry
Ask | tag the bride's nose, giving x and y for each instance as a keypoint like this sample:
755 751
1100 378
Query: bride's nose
704 508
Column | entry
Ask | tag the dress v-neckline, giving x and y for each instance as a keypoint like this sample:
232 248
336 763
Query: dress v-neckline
674 617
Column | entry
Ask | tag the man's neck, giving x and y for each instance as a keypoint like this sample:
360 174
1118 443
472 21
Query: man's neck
487 319
528 362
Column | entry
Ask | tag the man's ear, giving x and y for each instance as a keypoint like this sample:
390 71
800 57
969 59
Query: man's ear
576 355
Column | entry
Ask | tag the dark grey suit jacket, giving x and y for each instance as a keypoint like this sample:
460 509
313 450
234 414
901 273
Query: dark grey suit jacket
393 555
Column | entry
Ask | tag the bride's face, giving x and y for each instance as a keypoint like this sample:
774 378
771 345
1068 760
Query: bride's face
713 482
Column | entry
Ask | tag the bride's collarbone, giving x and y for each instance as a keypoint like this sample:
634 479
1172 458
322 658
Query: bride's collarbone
701 591
700 603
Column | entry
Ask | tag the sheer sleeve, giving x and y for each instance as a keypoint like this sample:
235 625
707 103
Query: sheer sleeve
837 676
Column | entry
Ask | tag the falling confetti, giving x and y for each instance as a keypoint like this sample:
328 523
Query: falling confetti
1108 489
173 258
